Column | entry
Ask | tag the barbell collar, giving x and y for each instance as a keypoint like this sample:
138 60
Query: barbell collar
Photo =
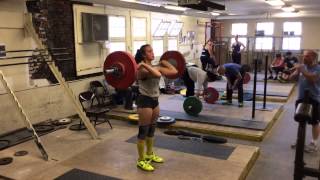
110 71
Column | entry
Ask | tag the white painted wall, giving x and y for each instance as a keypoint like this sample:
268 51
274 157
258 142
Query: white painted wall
40 100
310 29
90 56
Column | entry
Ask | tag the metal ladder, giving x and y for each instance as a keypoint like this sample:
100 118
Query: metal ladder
63 84
24 116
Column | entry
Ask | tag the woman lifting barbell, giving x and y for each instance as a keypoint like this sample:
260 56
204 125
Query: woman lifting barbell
147 102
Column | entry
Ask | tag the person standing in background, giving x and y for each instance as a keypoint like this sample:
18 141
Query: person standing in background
236 50
208 61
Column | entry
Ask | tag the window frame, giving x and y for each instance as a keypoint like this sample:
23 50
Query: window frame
136 39
177 43
234 34
173 23
292 36
266 36
118 39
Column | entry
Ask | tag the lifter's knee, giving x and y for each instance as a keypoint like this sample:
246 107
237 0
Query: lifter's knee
143 132
152 129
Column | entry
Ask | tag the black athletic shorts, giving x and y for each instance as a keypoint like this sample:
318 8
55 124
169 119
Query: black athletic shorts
315 111
147 102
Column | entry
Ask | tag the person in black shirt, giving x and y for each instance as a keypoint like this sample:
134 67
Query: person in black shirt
290 60
236 50
208 61
289 63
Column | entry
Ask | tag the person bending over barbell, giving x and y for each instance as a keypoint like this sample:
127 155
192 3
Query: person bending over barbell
234 73
196 80
148 77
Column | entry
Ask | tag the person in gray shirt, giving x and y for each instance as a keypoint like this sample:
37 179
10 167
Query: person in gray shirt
309 79
148 77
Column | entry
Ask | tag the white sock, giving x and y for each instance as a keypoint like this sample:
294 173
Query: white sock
314 141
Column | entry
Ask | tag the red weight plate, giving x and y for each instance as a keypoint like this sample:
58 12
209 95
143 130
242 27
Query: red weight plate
246 78
177 60
211 95
128 66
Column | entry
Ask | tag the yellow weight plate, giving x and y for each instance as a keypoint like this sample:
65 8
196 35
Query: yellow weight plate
183 91
133 117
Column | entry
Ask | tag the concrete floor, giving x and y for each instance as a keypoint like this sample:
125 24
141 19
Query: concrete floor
276 158
114 157
74 149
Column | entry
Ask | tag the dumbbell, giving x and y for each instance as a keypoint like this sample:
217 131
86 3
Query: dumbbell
120 67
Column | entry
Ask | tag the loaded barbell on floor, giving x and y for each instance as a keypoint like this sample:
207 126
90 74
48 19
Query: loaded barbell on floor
193 105
120 67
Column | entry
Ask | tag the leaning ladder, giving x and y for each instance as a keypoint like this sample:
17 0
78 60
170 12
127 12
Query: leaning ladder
24 116
30 29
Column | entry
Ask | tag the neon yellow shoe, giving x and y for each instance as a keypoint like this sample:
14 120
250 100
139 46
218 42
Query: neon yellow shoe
145 165
154 158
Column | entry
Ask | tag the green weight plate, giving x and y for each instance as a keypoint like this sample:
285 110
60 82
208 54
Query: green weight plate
192 106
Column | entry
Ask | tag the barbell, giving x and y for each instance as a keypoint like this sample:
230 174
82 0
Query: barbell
193 105
120 68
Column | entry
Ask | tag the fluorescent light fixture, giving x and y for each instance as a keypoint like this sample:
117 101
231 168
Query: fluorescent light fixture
129 0
176 8
144 3
288 8
275 2
215 13
289 14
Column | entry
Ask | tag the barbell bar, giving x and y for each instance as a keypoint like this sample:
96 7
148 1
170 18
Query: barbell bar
33 50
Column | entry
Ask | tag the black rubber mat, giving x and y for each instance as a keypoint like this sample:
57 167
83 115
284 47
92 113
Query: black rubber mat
258 93
246 97
191 147
78 174
217 120
22 135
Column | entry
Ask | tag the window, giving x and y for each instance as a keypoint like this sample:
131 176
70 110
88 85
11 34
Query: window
267 27
137 45
139 27
117 26
172 44
154 25
175 28
240 39
162 29
117 33
291 43
292 35
239 29
265 43
295 27
117 46
157 47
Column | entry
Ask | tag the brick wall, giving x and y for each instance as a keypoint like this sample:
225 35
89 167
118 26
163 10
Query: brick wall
60 33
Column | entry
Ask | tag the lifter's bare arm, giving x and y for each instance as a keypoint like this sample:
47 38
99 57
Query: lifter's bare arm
167 69
145 70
